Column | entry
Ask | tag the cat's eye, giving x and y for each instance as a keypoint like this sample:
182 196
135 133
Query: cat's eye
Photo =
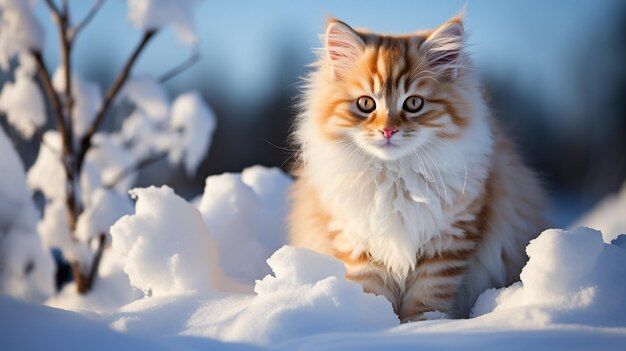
366 104
413 104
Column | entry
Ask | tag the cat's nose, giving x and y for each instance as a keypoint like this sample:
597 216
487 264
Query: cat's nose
388 132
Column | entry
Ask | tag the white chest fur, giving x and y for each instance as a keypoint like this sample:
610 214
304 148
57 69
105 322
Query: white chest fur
396 210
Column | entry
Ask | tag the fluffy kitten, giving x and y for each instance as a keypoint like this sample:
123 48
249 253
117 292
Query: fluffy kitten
405 176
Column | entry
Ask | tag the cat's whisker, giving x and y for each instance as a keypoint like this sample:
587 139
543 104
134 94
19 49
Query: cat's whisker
432 78
423 171
279 147
432 174
438 142
443 184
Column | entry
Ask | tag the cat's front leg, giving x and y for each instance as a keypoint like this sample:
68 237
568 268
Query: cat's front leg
433 285
373 278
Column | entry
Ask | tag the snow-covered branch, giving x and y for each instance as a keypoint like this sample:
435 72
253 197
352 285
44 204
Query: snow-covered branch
85 142
83 172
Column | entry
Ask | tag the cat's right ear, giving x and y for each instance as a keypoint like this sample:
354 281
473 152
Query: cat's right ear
343 46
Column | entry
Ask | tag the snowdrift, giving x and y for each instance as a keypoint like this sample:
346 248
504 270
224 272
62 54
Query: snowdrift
187 277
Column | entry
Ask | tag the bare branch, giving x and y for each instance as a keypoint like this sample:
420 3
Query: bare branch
55 102
181 67
110 96
72 205
53 8
135 168
97 4
85 282
66 55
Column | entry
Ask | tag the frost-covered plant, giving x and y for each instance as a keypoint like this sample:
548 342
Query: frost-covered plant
83 172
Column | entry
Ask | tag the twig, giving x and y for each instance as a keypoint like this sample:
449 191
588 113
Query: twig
97 4
61 17
53 8
135 168
66 56
44 76
85 282
110 96
70 200
181 67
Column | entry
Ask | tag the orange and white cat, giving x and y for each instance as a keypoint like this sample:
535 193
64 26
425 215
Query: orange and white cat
404 175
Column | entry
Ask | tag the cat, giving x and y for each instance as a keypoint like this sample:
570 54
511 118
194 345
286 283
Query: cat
404 175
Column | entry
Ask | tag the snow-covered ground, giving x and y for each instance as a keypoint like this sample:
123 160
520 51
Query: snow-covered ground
214 273
186 277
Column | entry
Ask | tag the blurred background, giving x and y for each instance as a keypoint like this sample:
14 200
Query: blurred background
554 70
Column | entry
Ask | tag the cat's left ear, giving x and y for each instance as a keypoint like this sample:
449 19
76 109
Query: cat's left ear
444 46
343 46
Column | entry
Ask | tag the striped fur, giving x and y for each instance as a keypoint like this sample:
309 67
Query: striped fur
437 213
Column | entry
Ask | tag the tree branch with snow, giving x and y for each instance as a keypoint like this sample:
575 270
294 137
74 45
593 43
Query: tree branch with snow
80 169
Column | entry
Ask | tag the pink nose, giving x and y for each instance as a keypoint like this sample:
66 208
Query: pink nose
388 132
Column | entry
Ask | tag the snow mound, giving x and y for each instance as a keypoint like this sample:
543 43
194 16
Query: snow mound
166 245
609 216
271 185
308 295
571 277
245 212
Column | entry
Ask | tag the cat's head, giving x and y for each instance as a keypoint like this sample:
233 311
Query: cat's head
388 95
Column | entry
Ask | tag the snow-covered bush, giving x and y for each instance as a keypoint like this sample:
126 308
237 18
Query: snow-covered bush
84 173
26 268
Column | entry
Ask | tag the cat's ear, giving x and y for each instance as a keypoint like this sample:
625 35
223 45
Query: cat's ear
444 46
343 46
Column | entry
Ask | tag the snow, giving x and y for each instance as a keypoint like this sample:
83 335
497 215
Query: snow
47 174
106 161
571 278
271 185
185 137
23 104
609 216
196 123
51 326
307 295
183 277
54 227
154 14
19 30
259 195
112 290
167 247
26 268
148 96
87 97
104 209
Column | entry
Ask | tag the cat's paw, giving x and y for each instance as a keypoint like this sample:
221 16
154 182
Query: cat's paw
425 316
